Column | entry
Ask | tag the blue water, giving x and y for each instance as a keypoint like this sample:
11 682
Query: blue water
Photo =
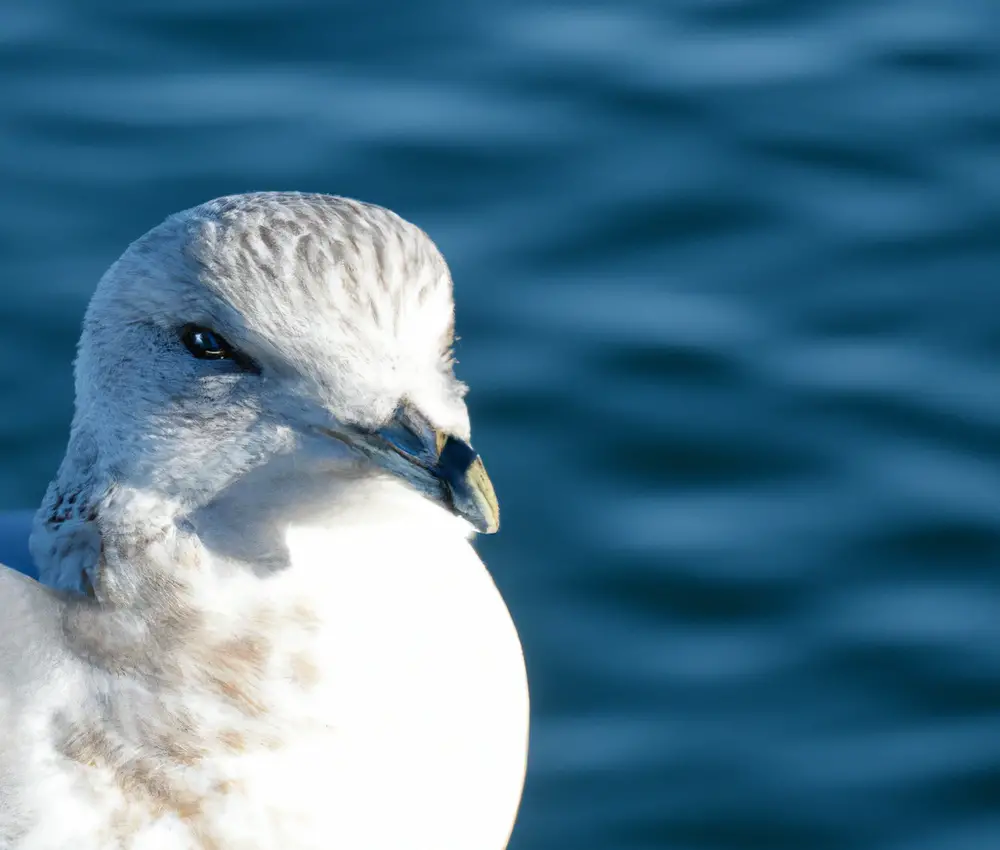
728 290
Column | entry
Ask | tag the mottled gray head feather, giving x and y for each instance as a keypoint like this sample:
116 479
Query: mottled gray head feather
346 307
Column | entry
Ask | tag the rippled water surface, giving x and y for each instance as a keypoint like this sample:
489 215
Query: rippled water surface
728 290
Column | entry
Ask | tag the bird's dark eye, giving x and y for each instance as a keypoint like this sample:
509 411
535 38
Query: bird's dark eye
206 344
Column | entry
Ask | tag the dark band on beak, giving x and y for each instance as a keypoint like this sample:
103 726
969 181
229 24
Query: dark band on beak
472 494
440 463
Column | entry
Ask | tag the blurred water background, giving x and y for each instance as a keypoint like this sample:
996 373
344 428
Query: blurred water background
727 283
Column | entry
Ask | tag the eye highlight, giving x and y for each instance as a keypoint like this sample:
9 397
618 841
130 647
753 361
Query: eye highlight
206 344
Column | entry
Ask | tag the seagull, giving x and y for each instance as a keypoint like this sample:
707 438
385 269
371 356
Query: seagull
260 621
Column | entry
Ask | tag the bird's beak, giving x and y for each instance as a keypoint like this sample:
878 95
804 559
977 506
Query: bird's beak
440 464
471 492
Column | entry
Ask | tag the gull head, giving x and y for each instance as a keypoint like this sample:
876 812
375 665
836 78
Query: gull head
301 342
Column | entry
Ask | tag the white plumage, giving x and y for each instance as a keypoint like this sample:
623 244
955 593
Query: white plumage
268 493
